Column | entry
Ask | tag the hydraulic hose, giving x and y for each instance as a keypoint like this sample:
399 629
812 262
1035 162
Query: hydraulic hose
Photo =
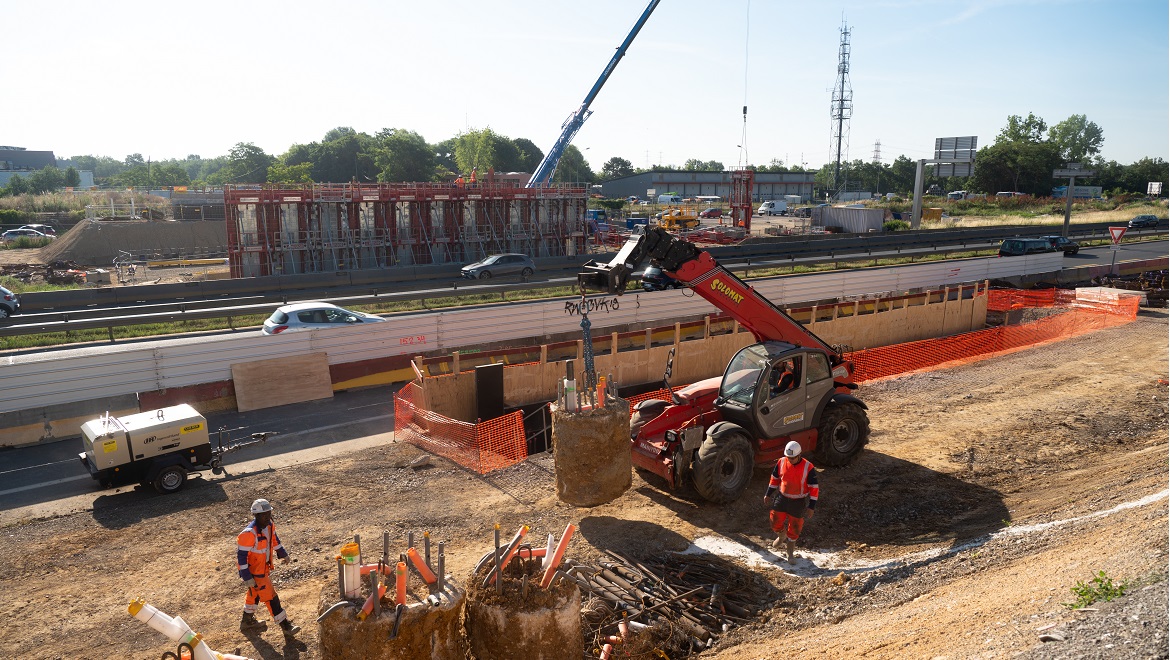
334 607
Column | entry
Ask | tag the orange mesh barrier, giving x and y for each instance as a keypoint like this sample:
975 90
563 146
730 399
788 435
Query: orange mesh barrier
1070 319
483 447
639 398
1002 300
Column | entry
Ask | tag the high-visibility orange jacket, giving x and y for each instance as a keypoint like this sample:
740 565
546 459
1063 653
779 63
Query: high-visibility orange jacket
794 481
254 548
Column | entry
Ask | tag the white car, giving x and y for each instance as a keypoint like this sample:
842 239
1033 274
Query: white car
314 316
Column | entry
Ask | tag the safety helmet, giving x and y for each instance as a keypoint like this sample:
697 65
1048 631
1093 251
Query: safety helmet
261 506
791 450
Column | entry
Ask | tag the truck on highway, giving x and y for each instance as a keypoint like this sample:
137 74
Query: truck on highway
712 432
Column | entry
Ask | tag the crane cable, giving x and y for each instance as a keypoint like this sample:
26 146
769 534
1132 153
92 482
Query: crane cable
743 137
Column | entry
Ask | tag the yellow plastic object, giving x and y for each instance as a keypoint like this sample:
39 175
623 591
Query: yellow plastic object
136 606
350 552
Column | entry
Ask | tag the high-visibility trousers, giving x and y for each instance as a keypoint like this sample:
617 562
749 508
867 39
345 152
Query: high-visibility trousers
780 520
265 593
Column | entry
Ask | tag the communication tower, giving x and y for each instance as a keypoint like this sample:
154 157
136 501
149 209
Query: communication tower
841 111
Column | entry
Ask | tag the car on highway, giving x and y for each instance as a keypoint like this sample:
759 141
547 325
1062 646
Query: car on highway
498 265
1066 245
9 303
653 279
711 213
1014 247
13 235
1143 221
314 316
44 229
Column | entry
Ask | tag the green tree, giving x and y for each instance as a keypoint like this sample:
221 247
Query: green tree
573 168
530 155
16 186
616 167
1019 129
1077 138
278 172
134 160
344 155
246 163
696 165
72 178
901 175
1139 174
404 156
476 150
1016 166
46 180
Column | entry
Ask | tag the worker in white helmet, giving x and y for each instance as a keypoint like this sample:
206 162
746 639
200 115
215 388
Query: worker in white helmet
254 548
792 494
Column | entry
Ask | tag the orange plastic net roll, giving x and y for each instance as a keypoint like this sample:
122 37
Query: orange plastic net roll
483 447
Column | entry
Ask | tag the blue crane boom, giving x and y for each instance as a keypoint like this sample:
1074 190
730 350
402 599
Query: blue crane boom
548 166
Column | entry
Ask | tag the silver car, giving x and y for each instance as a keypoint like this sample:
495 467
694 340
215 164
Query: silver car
498 265
9 303
314 316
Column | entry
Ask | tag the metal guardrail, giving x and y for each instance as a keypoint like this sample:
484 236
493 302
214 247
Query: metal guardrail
205 300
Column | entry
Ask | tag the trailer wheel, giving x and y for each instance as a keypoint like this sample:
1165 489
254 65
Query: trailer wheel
723 467
170 479
843 431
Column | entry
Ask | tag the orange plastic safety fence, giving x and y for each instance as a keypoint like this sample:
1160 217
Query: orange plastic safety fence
639 398
483 447
1002 300
1070 319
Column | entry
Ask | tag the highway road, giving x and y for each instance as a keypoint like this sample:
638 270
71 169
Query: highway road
48 479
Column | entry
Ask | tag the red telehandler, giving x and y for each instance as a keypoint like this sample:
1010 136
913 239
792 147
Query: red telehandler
790 385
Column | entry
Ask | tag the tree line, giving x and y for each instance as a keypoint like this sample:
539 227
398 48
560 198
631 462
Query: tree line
1021 159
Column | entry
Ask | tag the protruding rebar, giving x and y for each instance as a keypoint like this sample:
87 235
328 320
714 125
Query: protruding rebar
410 539
427 548
385 546
440 573
374 593
357 538
341 576
499 583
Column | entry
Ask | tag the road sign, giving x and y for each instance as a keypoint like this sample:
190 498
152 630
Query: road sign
1117 233
1064 174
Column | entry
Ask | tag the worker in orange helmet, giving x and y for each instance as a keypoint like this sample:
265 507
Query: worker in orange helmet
473 173
459 181
254 548
792 495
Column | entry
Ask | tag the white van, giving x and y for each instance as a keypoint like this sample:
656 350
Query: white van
773 207
670 199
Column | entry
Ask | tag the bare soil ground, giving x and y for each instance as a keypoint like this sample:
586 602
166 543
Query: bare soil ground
976 502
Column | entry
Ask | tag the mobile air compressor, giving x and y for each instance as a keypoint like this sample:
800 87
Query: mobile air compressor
157 447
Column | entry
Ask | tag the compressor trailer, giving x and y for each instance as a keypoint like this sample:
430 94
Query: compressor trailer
158 447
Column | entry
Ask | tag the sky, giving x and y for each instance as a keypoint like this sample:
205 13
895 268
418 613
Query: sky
167 79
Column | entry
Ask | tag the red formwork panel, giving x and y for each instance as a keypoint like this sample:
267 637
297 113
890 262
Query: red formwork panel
291 229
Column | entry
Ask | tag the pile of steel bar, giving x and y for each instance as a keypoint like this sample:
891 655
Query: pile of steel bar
700 595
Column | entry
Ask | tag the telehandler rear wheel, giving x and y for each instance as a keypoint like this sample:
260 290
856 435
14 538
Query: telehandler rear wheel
723 467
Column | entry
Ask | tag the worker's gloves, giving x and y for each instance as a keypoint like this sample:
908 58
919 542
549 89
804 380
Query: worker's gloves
285 560
808 514
250 583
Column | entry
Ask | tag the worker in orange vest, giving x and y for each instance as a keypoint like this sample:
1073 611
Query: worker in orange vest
254 548
792 494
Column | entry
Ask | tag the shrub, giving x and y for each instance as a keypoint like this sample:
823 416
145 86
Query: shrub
895 225
1101 587
12 217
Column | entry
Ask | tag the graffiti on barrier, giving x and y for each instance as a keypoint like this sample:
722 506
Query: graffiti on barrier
579 308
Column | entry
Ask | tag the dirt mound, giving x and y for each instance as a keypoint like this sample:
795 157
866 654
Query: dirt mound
99 243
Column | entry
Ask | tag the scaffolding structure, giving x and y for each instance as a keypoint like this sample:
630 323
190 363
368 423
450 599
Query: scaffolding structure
317 228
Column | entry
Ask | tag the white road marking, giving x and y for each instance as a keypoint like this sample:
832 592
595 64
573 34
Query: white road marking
43 484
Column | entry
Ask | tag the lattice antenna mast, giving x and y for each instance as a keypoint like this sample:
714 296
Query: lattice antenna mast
841 111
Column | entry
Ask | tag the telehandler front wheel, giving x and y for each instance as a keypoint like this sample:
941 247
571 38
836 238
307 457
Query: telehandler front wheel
723 467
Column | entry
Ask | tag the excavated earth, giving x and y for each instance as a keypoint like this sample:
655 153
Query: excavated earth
987 493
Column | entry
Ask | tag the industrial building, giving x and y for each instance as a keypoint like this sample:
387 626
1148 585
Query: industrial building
767 185
318 228
18 161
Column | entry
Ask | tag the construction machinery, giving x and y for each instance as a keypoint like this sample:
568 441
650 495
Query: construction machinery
677 218
714 431
544 172
158 447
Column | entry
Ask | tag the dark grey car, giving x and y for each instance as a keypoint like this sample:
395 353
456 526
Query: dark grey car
498 265
9 303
